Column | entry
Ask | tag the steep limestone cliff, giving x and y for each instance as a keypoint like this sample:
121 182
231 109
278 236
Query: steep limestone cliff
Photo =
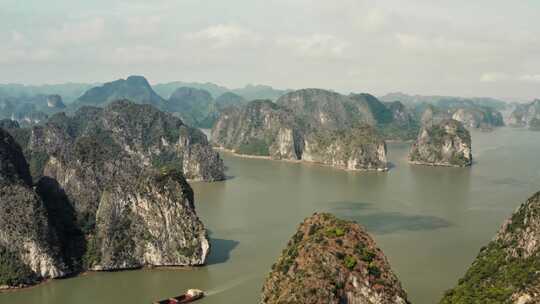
127 130
268 129
507 270
444 144
359 148
524 114
113 185
321 109
484 118
29 249
149 222
329 260
260 128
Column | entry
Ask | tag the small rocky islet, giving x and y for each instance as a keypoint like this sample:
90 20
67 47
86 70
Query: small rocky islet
329 260
445 143
526 115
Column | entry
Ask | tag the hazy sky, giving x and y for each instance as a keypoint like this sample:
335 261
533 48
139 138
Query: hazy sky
458 47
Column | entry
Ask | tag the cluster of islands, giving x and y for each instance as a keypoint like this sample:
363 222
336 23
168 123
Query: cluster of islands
95 177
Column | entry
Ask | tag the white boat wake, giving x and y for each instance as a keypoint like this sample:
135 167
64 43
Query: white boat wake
231 284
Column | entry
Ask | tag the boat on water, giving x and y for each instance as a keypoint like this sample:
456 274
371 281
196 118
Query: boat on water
190 296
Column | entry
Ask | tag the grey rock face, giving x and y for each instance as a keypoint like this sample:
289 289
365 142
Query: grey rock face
523 115
149 222
478 117
128 130
446 143
28 245
313 127
113 182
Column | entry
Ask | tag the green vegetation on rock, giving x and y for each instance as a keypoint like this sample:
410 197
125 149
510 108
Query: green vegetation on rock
508 268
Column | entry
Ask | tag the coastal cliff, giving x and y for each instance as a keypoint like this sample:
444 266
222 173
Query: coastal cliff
308 125
507 270
478 118
29 250
150 222
526 115
265 129
359 148
446 143
112 186
329 260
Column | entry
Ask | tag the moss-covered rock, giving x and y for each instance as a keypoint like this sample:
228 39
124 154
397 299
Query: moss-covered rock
447 143
310 125
151 222
329 260
507 270
29 246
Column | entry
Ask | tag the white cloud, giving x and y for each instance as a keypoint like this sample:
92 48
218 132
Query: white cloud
493 77
374 20
18 38
439 44
139 26
85 31
224 35
138 54
315 46
530 78
12 55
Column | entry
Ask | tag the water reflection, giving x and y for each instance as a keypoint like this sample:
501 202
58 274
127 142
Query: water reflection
383 222
220 250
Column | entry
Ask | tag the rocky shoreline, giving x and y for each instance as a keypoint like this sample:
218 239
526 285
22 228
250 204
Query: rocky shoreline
233 152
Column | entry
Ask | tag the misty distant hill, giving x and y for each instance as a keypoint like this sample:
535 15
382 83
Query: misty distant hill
445 101
134 88
249 92
68 91
165 90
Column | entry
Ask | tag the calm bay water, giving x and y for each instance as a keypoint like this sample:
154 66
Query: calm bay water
430 222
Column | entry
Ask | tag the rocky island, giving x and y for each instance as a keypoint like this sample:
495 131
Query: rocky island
479 117
526 115
309 125
507 270
447 143
105 189
329 260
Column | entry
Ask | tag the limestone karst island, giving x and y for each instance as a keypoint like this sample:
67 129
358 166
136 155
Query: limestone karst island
269 152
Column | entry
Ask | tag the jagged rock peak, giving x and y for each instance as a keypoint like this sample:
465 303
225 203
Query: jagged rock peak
329 260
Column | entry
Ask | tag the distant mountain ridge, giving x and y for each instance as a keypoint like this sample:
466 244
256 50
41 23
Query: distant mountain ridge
69 91
445 101
248 92
135 88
